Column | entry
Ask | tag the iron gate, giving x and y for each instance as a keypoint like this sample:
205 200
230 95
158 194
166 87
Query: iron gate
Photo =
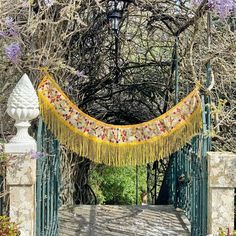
47 183
188 185
187 179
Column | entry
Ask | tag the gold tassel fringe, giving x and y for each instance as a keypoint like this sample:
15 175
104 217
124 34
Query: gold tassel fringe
124 154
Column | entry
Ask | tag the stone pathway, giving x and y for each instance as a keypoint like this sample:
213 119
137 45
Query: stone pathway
105 220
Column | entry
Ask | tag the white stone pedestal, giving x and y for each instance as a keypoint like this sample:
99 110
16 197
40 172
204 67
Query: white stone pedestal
18 148
221 186
21 180
21 170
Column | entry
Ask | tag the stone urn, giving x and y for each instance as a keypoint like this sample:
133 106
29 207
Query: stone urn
23 106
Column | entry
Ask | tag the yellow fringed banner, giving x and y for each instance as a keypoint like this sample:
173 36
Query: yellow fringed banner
118 145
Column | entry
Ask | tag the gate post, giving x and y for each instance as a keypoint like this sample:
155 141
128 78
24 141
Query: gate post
221 187
21 171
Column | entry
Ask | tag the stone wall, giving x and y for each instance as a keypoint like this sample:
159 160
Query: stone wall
221 186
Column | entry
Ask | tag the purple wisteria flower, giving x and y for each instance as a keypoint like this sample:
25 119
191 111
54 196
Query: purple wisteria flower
9 21
222 7
11 30
13 52
48 3
3 34
36 155
25 4
196 2
81 74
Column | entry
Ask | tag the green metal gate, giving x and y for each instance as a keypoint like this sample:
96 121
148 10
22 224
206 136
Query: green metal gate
47 183
188 186
186 182
187 179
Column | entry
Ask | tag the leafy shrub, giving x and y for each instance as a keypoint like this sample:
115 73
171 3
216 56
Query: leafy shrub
8 228
117 185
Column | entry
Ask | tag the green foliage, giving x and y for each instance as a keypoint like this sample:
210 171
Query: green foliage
3 157
8 228
116 185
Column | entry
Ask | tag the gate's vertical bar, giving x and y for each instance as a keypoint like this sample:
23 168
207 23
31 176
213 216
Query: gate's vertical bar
149 199
39 177
205 148
176 70
136 184
1 198
176 101
155 181
209 74
48 183
52 190
207 140
56 186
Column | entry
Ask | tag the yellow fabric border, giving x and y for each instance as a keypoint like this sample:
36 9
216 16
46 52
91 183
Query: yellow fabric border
119 154
48 77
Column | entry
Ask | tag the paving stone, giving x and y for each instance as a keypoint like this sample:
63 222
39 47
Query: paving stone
110 220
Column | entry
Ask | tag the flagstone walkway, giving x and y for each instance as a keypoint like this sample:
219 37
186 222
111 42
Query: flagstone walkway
107 220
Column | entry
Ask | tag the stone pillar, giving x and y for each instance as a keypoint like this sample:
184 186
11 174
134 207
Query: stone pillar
21 171
221 186
21 179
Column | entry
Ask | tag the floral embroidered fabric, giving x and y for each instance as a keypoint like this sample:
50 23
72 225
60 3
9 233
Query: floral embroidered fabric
95 129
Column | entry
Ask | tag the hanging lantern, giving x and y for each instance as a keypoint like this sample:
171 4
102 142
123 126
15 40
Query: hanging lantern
116 9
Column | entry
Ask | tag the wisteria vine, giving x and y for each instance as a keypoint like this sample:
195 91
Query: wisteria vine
223 7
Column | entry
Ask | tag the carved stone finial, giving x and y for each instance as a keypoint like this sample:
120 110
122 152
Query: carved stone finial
23 106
